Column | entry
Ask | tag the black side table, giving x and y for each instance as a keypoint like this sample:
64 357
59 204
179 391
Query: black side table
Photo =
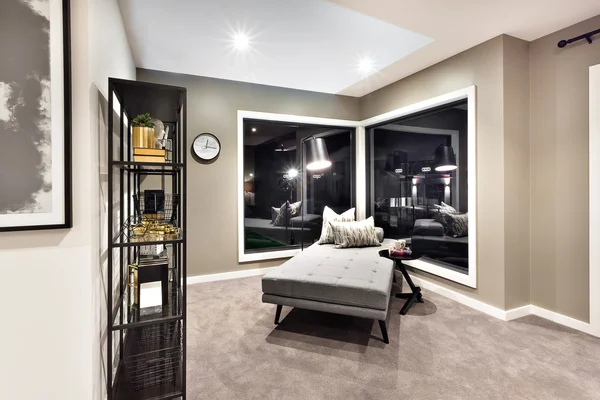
415 294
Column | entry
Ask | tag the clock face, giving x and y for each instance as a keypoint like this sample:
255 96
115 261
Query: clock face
206 146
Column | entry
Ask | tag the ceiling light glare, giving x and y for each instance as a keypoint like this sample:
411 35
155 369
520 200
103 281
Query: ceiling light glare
292 173
253 129
366 65
241 41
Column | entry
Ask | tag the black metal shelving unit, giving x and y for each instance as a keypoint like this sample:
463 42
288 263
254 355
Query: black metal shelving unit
146 347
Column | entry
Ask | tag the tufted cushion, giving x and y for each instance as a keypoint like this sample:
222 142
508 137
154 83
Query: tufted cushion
356 277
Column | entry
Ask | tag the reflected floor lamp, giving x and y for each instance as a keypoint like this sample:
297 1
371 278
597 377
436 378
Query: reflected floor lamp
317 158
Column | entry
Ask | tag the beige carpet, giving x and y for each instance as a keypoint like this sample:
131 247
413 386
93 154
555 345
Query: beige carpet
440 350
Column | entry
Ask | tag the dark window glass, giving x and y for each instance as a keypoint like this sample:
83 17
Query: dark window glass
418 183
274 167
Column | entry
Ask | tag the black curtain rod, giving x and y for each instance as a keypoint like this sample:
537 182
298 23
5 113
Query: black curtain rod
586 36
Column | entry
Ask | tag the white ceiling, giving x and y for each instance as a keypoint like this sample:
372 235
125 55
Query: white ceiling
303 44
458 25
317 44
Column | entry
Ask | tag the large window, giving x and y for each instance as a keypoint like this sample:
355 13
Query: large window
283 199
417 187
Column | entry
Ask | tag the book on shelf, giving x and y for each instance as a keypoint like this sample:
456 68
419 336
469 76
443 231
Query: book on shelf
152 261
133 284
149 159
139 151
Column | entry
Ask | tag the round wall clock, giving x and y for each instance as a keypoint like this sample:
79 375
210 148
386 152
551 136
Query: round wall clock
206 147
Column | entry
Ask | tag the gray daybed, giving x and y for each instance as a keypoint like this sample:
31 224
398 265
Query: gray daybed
354 281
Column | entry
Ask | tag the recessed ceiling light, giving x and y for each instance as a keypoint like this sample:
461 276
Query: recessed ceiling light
366 65
253 129
241 41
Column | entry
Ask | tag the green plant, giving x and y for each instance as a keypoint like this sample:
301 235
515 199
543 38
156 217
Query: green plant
143 120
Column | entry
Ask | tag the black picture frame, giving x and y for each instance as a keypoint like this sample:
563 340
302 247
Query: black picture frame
67 131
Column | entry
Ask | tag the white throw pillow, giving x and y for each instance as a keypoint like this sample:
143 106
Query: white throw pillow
355 234
330 215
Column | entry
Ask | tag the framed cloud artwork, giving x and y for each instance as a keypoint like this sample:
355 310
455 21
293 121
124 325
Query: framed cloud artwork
35 115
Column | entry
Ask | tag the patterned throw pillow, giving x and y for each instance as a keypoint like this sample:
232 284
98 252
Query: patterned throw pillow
458 224
444 210
295 209
354 234
330 215
283 216
274 214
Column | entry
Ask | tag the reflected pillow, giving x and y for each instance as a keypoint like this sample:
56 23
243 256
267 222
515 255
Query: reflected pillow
458 224
274 214
354 234
283 216
446 208
330 215
295 208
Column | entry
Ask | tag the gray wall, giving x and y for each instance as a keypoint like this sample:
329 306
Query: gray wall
532 152
481 66
559 170
212 189
516 173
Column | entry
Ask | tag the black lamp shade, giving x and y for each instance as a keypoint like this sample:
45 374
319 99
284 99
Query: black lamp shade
445 160
317 157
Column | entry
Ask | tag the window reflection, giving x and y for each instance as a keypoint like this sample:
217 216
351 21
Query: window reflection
418 183
283 200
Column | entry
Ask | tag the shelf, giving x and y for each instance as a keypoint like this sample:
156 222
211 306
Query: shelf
145 242
126 239
124 390
161 101
139 317
168 391
144 355
149 168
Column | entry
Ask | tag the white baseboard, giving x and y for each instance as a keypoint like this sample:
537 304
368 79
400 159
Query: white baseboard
461 298
564 320
504 315
518 312
192 280
507 315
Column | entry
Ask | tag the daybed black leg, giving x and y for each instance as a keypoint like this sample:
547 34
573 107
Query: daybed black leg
278 313
384 332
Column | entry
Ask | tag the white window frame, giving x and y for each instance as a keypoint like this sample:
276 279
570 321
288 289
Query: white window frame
468 93
294 119
594 233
